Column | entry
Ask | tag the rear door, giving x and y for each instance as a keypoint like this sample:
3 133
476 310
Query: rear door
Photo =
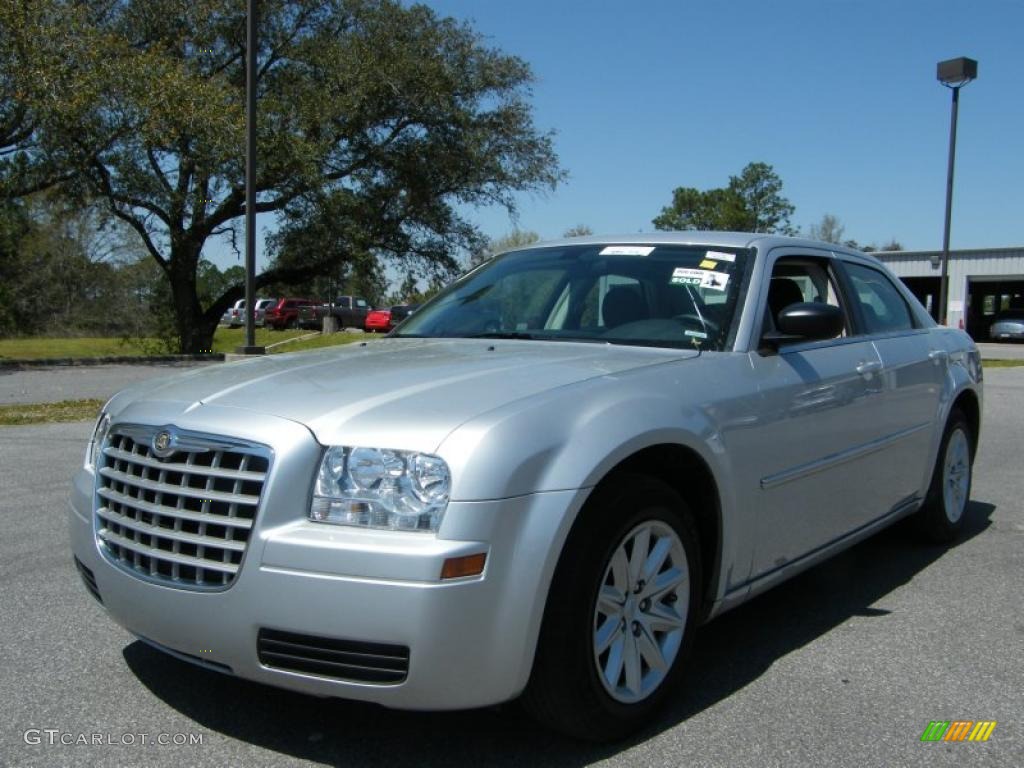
913 371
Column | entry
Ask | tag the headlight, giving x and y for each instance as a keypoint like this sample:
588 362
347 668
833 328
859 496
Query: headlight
99 434
376 488
974 365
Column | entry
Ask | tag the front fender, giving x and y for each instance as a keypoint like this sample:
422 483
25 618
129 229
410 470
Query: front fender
571 437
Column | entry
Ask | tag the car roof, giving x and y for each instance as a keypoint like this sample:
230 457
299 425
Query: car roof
697 237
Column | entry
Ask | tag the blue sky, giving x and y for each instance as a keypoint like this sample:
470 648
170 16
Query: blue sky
839 96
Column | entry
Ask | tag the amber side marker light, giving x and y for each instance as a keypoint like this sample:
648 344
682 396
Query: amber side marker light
459 567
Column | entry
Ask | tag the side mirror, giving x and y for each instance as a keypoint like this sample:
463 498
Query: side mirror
806 321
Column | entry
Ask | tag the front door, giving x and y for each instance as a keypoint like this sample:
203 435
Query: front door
817 432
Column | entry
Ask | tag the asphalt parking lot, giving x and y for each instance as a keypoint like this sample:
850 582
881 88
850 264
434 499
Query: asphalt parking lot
79 382
843 666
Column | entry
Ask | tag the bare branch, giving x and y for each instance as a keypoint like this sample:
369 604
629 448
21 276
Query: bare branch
155 165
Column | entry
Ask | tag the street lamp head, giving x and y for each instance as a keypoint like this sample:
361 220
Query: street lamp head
955 73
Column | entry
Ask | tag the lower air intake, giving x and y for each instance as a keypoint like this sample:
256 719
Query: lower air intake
329 657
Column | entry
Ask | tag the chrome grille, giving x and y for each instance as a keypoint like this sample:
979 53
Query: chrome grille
183 519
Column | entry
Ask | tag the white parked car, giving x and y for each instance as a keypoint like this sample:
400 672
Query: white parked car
234 316
541 484
260 311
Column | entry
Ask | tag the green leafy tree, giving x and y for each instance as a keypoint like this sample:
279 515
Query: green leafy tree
752 202
386 115
580 230
488 249
828 230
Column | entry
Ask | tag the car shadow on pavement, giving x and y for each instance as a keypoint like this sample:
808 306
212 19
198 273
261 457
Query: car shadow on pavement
730 653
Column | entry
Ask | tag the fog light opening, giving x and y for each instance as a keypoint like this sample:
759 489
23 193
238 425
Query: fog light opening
460 567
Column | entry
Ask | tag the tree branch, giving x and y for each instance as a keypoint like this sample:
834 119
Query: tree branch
161 176
108 190
128 218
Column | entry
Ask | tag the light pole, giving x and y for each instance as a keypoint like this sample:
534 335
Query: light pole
954 74
250 347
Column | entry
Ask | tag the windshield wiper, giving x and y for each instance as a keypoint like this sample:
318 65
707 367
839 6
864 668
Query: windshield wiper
503 335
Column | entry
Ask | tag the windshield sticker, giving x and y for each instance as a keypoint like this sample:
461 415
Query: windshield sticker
696 334
708 264
700 278
684 276
715 280
720 256
627 250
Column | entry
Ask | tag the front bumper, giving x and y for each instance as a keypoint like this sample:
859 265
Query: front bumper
471 641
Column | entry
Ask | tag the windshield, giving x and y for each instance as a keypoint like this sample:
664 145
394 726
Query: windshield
665 295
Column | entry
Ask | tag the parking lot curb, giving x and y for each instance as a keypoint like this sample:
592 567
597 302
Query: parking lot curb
51 362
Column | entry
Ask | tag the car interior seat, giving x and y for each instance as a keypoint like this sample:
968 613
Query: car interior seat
781 293
623 304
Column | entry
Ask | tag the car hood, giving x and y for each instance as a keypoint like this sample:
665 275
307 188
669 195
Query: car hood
400 393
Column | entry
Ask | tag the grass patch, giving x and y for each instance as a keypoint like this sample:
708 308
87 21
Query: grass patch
228 339
48 413
1001 363
321 341
38 347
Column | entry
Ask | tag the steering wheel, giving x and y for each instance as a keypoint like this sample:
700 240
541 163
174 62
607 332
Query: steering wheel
700 323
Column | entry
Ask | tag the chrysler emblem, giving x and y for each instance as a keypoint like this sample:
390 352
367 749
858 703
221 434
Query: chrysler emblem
162 443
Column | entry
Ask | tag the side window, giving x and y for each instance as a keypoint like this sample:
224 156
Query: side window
796 280
881 304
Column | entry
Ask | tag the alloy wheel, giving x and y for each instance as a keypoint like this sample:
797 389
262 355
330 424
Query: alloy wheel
641 611
956 475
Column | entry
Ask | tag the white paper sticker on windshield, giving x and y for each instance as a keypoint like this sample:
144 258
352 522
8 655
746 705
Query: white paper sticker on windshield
715 280
720 256
687 276
627 250
700 278
681 274
696 334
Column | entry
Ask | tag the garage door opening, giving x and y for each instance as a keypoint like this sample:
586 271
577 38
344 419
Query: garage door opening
987 298
926 289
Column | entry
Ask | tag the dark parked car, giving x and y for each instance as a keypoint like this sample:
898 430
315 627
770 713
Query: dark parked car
401 311
285 314
351 312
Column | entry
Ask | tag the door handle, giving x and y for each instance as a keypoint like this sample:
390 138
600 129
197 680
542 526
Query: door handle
938 355
868 367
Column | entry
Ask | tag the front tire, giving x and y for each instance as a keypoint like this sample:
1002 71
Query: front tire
941 517
621 613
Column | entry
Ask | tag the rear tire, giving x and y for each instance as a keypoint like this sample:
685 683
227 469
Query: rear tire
941 518
617 628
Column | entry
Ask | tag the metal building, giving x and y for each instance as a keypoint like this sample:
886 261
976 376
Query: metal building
982 283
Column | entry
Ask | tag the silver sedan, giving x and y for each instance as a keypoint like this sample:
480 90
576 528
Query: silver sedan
541 484
1008 326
